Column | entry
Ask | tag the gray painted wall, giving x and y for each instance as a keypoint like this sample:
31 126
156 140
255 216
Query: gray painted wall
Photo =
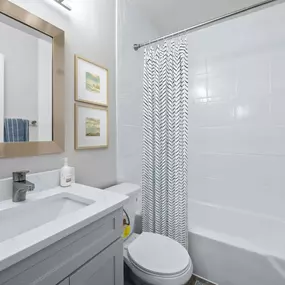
90 32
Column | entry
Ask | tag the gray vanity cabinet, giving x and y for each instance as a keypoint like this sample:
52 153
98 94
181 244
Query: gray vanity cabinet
91 256
105 269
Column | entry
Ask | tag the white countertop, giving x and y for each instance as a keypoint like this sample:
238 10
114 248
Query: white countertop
24 245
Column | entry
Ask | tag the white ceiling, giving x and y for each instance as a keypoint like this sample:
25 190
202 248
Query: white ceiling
173 15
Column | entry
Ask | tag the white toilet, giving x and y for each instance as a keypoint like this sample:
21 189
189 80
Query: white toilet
153 259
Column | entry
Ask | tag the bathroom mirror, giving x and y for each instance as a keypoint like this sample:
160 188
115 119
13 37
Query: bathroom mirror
31 84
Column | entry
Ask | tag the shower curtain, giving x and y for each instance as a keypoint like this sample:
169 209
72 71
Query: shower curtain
165 141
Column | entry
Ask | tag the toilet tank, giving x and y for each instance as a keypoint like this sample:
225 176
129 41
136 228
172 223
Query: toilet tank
133 205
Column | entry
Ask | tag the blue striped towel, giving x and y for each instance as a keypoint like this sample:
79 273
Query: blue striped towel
16 130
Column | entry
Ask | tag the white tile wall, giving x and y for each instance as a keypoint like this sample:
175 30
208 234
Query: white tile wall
236 110
133 27
236 114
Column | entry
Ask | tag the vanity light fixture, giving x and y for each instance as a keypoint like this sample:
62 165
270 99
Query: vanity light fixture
64 3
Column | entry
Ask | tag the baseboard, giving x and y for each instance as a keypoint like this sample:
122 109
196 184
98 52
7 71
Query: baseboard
197 280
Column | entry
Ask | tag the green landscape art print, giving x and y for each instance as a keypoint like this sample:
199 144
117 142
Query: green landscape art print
93 82
92 127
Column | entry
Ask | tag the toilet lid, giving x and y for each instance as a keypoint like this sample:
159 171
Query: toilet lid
157 254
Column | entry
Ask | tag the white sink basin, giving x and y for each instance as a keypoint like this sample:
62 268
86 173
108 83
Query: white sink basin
18 220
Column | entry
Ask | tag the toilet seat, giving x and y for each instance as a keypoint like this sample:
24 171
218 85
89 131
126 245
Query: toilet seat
157 260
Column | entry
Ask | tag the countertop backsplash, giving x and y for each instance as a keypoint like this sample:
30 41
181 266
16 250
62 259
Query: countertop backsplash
42 180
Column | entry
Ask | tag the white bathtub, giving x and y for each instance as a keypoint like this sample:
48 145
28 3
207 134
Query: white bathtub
234 247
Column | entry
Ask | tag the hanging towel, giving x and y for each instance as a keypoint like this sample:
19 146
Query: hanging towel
16 130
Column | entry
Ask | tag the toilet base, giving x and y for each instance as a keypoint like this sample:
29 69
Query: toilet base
131 278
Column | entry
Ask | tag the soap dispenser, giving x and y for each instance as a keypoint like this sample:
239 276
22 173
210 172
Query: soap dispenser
66 174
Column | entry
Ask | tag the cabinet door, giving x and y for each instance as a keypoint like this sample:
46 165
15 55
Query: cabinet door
105 269
64 282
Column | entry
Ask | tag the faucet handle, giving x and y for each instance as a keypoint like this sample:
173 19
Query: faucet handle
19 176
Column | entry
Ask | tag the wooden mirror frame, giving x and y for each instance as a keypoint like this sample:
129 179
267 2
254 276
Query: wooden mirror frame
21 149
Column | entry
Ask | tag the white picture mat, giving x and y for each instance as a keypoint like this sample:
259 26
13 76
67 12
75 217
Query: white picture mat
1 98
84 141
85 95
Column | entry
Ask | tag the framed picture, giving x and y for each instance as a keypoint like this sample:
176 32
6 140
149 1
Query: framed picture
91 126
91 82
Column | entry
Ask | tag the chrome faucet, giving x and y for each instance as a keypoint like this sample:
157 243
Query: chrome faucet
21 186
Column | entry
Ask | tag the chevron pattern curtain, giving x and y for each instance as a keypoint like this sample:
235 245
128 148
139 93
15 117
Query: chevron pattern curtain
165 141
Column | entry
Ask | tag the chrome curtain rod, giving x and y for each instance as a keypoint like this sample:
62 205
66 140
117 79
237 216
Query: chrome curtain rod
205 24
63 4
